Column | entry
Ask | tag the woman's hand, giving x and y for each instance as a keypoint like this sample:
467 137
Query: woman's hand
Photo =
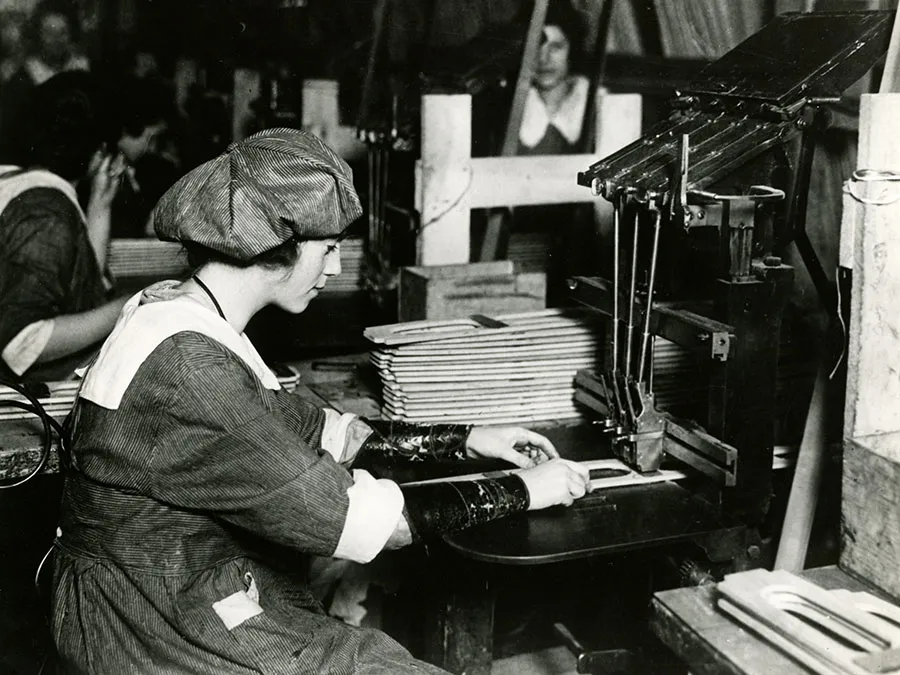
106 176
516 445
558 481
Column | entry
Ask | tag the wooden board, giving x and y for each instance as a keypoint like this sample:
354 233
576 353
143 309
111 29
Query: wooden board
626 478
708 642
870 509
813 626
462 331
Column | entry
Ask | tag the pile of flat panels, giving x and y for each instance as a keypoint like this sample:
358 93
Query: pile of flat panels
507 369
146 258
56 398
352 266
130 258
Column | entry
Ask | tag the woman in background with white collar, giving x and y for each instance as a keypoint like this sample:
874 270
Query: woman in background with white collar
553 124
199 487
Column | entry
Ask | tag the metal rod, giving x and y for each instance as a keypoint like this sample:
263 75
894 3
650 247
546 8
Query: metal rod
657 217
617 206
385 250
371 200
632 299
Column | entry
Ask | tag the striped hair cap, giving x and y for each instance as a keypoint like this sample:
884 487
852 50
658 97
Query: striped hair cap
273 185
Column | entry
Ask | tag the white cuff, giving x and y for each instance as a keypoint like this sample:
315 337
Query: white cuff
23 350
334 433
376 507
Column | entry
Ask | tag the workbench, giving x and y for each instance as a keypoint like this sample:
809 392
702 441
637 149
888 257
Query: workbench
469 566
710 643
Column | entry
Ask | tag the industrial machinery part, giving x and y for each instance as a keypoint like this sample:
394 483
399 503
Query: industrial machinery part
717 172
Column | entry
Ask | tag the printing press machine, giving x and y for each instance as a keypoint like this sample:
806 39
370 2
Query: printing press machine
703 203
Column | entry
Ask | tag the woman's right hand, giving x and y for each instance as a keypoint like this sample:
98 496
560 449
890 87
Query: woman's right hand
558 481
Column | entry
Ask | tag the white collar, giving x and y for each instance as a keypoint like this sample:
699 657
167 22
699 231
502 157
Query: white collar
147 319
567 119
12 186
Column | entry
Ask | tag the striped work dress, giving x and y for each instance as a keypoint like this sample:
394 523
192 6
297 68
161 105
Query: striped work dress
185 524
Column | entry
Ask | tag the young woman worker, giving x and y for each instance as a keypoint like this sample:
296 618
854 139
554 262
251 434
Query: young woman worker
199 486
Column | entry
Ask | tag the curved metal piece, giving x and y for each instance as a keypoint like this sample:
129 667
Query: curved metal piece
764 193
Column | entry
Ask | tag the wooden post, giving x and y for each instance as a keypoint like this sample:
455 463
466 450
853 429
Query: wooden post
247 87
187 74
870 506
321 116
444 179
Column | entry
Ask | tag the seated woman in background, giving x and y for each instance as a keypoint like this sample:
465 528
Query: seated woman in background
138 115
199 487
52 39
54 298
553 124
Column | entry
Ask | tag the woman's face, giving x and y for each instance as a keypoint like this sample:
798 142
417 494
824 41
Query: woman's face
135 147
318 259
553 60
55 38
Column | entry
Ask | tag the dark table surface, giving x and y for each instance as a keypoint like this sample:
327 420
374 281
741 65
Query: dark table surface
610 521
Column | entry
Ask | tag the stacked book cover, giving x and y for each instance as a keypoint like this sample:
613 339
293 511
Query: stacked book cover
505 369
129 258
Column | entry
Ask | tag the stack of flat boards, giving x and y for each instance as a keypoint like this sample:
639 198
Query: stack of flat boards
507 369
130 258
59 397
352 266
146 258
58 401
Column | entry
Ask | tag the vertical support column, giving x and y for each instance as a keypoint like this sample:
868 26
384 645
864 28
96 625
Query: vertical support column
873 387
459 616
187 74
742 389
321 115
247 88
870 497
443 180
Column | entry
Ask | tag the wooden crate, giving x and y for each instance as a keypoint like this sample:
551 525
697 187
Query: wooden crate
870 510
456 291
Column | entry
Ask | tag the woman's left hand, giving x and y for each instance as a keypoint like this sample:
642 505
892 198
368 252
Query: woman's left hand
106 176
516 445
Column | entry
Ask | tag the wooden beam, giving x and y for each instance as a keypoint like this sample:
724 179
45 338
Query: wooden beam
321 116
873 388
449 182
247 88
871 467
890 77
520 181
444 180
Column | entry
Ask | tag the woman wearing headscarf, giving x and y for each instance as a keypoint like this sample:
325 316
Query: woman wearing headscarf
199 488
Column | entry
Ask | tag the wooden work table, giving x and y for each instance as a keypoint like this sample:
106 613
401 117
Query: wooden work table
710 643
